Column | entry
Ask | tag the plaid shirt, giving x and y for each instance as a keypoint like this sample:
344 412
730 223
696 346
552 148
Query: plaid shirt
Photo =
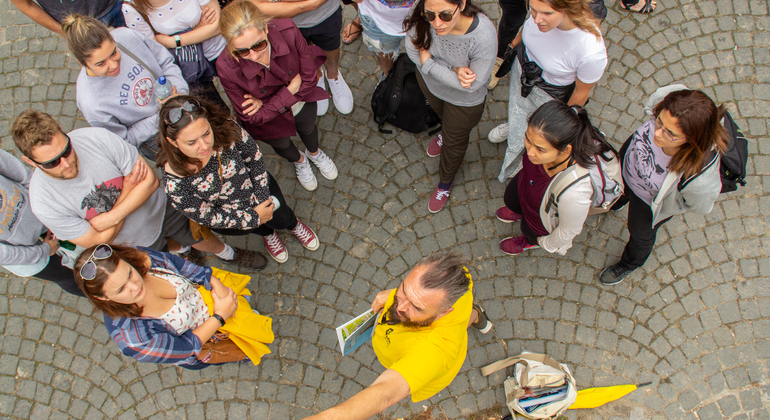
153 340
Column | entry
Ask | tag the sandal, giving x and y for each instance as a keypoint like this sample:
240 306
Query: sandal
647 6
351 32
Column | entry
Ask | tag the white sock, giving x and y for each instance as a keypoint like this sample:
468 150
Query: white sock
183 249
227 254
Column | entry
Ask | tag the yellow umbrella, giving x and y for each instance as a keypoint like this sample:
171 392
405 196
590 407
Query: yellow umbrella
594 397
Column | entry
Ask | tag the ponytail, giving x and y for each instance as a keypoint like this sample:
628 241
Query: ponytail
84 34
563 125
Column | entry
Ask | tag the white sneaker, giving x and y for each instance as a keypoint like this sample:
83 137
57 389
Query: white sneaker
325 164
305 174
322 106
341 94
498 134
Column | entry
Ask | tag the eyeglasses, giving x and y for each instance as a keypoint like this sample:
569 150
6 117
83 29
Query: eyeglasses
257 47
88 270
57 160
666 134
445 16
191 105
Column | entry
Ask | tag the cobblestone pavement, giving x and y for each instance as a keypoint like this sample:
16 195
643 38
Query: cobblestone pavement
695 320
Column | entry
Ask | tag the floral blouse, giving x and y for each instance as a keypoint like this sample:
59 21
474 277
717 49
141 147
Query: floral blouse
226 190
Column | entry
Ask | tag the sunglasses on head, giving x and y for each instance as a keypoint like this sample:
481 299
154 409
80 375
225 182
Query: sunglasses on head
191 105
88 270
445 16
257 47
57 160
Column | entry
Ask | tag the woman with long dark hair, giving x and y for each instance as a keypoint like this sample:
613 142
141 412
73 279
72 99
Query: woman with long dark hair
560 53
670 166
558 136
453 45
213 173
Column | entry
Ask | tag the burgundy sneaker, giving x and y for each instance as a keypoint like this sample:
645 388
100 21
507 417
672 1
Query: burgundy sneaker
438 200
306 236
434 148
516 245
506 215
276 248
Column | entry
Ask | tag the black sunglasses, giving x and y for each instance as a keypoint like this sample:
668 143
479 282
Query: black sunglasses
88 270
191 105
445 16
57 160
257 47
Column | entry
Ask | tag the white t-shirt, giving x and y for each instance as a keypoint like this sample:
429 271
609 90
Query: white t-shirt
389 18
173 17
565 55
66 205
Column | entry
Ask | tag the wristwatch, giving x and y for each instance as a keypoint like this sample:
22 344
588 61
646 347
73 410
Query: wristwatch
178 41
219 318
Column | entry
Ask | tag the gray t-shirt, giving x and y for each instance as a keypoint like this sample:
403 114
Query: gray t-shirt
59 9
314 17
19 228
66 206
645 166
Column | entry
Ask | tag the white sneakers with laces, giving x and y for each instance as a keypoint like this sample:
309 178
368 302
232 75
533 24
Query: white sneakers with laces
325 164
322 106
305 174
341 94
498 134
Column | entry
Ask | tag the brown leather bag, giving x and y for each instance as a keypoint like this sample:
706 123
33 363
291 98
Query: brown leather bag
220 349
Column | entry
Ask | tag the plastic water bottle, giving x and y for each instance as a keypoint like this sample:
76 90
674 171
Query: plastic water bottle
276 203
162 88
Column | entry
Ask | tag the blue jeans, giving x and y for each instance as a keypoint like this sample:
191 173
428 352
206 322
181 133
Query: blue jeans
378 41
114 17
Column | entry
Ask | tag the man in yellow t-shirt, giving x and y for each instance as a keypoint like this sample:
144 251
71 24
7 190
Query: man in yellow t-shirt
421 337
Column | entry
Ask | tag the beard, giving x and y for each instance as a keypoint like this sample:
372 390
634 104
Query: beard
394 317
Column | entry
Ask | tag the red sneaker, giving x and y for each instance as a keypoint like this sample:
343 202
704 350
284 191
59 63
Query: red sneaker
276 248
506 215
438 200
516 245
434 148
306 236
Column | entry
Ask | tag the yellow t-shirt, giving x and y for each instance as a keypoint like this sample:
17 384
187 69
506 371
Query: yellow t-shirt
430 357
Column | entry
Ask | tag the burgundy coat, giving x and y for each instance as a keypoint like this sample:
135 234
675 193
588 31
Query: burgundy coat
289 56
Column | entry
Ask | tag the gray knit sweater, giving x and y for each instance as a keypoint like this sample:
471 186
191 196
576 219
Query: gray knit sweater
476 49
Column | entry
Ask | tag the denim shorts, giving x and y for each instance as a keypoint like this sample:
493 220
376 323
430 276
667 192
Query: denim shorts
378 41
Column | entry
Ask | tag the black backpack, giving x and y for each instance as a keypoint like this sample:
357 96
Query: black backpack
733 161
398 100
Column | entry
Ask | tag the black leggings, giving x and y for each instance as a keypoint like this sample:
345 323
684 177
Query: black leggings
61 275
304 123
283 218
511 200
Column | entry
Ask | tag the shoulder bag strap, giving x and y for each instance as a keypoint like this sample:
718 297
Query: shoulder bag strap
500 364
137 59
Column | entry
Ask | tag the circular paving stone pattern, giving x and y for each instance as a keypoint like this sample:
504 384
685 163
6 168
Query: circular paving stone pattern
695 320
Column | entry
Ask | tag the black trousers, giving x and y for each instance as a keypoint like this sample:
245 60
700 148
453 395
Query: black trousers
641 231
514 13
511 200
61 275
304 123
283 218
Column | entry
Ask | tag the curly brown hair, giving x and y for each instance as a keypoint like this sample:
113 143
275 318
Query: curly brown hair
226 132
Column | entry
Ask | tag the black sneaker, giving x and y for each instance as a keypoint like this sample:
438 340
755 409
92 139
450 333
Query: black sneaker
614 274
482 323
247 258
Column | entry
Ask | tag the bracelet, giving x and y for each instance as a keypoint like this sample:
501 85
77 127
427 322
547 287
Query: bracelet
178 41
219 318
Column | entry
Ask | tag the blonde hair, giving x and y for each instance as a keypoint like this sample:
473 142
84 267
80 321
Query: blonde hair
580 13
84 34
239 16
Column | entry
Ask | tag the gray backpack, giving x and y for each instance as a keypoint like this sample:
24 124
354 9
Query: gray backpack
606 180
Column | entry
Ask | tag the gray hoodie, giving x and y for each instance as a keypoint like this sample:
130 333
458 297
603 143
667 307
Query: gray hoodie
20 230
125 104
